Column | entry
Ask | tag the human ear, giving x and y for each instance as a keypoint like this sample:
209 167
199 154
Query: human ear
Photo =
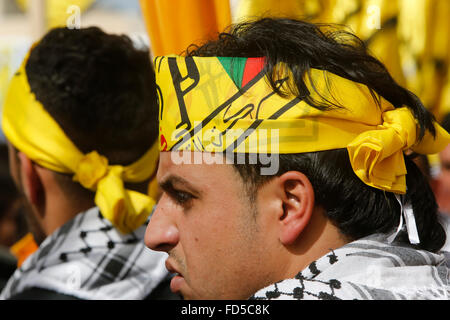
298 205
30 180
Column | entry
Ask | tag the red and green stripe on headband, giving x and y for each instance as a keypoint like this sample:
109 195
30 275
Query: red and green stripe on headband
242 70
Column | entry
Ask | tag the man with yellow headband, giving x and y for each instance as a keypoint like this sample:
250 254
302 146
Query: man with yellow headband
286 171
80 118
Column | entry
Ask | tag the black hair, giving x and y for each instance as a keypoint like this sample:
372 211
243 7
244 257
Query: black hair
302 46
358 210
100 88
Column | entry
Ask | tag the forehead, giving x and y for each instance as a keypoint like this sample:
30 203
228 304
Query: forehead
193 167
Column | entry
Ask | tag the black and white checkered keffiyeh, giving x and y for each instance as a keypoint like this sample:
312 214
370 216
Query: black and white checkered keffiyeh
368 269
89 259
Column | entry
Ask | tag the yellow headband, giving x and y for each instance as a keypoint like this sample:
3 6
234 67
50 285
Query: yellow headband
203 99
30 128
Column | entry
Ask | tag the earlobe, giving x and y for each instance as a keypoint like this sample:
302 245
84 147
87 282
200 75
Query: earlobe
30 179
298 206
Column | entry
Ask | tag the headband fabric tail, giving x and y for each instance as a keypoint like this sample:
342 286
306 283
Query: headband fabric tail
125 209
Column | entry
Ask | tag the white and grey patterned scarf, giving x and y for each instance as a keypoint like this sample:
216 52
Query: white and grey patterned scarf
368 269
89 259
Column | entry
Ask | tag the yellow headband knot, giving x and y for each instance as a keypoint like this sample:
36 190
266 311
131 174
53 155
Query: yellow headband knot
203 99
377 155
126 209
31 129
90 170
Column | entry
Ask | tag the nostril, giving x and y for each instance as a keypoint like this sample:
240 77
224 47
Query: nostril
161 239
163 247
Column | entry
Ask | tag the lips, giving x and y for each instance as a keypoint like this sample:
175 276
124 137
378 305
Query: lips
176 283
178 280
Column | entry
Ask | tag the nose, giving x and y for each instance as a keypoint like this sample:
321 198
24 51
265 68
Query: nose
162 233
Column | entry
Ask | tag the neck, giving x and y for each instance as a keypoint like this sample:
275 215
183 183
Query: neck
60 210
318 238
60 203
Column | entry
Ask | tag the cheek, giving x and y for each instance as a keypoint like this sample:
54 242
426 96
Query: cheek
222 249
205 234
212 238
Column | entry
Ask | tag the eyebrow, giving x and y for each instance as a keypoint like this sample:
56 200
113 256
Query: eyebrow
168 184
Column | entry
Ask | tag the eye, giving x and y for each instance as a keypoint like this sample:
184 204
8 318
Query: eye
182 197
178 194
